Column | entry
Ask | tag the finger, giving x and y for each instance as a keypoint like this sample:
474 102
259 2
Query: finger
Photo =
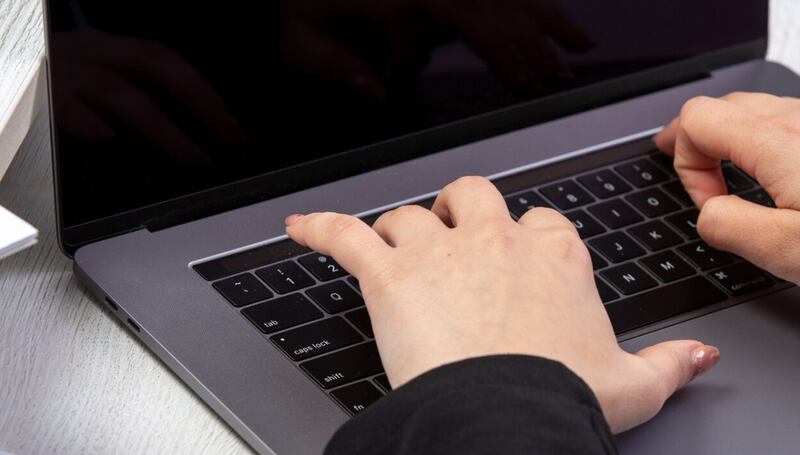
470 200
711 130
130 108
350 241
406 223
658 372
770 238
545 218
763 103
665 139
674 364
758 103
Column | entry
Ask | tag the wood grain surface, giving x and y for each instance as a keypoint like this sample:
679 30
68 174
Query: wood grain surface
72 380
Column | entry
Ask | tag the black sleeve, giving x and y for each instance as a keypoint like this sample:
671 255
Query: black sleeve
490 405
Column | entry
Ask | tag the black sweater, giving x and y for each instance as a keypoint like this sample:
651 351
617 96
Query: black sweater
491 405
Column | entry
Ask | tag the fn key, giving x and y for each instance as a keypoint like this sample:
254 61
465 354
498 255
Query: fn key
357 397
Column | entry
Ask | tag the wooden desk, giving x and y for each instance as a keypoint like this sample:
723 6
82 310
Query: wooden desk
72 380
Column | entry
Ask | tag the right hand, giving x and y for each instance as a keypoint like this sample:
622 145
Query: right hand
760 134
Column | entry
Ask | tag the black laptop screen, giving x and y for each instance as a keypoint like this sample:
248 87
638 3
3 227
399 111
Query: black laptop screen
158 99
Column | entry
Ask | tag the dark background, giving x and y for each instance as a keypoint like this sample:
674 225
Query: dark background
154 100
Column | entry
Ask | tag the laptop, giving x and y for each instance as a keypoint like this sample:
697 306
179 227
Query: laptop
184 132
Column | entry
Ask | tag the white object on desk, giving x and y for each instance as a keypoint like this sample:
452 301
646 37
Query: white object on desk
15 234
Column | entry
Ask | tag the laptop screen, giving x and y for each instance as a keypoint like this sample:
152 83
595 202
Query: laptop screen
158 99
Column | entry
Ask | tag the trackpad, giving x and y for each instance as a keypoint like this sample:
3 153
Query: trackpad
749 403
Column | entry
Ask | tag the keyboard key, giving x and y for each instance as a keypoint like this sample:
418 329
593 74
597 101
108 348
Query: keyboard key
249 259
629 278
617 247
615 213
665 161
735 180
741 278
676 190
604 184
662 303
357 397
606 293
686 222
584 224
655 235
704 256
354 282
642 173
667 266
360 319
242 290
519 204
283 313
383 382
335 297
317 338
344 366
285 277
597 261
323 267
653 202
759 197
566 195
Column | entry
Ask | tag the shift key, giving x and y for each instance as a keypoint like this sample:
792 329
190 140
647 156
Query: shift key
345 366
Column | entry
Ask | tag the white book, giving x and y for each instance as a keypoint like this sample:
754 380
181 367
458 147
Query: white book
15 234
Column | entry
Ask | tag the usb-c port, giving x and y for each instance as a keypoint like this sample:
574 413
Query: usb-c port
133 325
111 304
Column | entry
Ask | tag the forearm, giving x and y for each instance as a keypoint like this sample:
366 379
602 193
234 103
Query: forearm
500 404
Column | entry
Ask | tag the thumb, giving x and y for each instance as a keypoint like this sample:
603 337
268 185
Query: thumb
768 237
678 362
663 369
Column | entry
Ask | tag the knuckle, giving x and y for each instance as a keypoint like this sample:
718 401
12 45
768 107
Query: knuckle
337 225
470 182
407 210
737 95
694 105
497 232
393 215
710 216
783 251
783 128
569 243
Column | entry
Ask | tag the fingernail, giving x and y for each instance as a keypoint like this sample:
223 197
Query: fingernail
704 358
291 219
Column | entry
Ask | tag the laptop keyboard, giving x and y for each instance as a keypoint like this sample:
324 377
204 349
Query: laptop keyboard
634 215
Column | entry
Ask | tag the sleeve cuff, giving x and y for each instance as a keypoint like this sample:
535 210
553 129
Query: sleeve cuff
470 398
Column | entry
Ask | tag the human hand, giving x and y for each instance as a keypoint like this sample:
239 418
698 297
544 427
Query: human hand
760 134
465 280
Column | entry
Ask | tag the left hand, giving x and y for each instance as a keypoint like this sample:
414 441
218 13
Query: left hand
465 280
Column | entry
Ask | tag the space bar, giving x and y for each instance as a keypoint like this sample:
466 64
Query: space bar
662 303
